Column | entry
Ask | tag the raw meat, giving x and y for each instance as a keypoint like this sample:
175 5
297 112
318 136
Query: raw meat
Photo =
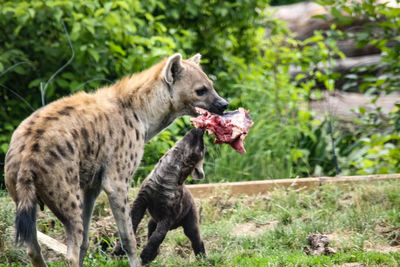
230 128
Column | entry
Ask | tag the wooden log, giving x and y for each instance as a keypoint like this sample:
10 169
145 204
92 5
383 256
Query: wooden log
265 186
343 65
340 104
300 21
47 241
299 18
52 243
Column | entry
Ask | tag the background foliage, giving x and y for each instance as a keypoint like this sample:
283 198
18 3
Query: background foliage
245 51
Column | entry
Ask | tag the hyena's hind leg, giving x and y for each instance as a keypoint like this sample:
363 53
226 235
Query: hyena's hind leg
33 250
192 231
89 198
67 206
151 227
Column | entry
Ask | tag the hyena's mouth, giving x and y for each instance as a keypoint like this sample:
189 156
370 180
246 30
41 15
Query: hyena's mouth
200 111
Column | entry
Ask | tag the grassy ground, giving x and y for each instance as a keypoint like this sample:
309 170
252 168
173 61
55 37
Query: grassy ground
362 222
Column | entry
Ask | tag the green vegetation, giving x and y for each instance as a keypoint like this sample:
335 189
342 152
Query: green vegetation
246 52
362 223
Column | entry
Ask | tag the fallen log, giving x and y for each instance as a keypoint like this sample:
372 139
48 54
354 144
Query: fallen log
300 20
342 65
48 242
341 105
52 243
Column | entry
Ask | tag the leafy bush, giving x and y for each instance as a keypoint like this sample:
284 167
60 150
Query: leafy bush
112 39
246 52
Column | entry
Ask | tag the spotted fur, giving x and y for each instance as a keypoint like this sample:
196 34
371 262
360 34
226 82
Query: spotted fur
68 151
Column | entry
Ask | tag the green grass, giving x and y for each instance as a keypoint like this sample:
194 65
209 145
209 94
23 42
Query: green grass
362 222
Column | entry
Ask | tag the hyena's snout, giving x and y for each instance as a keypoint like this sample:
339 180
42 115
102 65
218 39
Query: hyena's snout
219 105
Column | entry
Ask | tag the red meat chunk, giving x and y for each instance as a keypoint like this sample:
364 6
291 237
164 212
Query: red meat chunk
230 128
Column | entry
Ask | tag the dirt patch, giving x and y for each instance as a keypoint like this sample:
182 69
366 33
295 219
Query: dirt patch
391 234
252 229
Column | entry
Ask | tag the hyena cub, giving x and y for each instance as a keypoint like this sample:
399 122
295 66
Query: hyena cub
64 154
167 199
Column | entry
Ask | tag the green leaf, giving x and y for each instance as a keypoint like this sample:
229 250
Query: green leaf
75 32
94 54
4 148
34 83
68 75
62 83
108 6
116 49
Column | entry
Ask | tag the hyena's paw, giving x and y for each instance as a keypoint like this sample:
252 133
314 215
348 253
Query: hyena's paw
118 251
148 255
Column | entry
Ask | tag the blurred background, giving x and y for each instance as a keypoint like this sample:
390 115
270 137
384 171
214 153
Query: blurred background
321 79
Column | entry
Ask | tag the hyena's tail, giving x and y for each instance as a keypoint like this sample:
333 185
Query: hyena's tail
25 220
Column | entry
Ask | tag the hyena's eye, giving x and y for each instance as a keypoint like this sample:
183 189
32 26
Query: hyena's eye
202 91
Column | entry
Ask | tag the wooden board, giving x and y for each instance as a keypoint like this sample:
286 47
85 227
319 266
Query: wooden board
264 186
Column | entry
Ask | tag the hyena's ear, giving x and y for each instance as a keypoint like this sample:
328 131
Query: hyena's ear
173 68
196 59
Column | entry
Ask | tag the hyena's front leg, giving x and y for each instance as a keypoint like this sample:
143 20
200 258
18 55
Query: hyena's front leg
138 209
74 234
137 212
117 193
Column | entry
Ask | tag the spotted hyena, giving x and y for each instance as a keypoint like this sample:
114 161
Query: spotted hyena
167 199
65 153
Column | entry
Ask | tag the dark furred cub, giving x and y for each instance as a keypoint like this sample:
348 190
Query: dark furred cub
168 201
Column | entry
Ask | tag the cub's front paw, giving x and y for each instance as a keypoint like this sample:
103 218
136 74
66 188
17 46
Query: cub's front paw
148 255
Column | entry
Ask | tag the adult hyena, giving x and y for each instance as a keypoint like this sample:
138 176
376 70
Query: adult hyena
65 153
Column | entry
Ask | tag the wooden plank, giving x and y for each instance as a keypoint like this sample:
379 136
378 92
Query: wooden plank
252 187
358 179
264 186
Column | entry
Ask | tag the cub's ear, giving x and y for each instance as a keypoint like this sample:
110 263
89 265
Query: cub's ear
173 68
196 59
